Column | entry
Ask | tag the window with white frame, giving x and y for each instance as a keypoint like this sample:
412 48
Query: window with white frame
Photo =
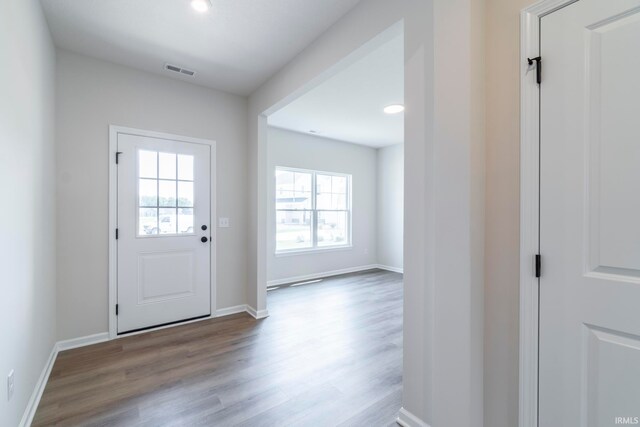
313 210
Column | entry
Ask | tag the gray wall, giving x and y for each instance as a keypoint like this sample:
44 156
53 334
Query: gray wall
91 95
27 217
298 150
391 206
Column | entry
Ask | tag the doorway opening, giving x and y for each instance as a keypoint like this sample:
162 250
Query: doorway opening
333 252
335 171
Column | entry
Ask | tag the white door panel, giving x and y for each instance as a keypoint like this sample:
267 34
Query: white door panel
164 267
590 214
165 275
612 370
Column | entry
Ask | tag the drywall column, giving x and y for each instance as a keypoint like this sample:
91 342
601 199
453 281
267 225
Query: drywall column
459 212
419 219
390 221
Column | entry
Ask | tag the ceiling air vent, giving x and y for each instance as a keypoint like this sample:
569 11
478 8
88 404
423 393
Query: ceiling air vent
176 69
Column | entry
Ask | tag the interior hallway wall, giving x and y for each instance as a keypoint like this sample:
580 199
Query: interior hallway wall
91 95
28 214
502 251
391 206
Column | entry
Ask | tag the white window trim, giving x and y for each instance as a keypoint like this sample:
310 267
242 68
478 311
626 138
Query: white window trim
314 229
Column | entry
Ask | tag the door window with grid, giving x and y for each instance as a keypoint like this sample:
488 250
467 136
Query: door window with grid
313 210
165 193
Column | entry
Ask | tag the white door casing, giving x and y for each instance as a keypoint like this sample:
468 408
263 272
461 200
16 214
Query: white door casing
161 271
589 306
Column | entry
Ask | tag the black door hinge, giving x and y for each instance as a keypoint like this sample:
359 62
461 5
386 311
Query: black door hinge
116 309
118 156
538 60
117 234
538 265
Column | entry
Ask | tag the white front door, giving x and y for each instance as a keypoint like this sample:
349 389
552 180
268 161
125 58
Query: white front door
589 371
163 242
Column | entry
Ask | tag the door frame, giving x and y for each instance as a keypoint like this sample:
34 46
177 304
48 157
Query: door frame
114 130
530 206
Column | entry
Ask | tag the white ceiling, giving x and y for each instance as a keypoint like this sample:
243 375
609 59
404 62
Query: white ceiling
235 47
349 106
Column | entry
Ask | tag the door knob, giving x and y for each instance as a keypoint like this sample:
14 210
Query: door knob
204 240
204 227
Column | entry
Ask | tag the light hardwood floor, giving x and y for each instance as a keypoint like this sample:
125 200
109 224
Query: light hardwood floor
330 354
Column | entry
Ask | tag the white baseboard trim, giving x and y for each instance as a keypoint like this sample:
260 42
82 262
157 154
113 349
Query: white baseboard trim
389 268
321 275
227 311
83 341
407 419
257 314
34 400
244 308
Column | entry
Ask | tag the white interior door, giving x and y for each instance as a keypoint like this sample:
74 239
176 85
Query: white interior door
589 372
164 243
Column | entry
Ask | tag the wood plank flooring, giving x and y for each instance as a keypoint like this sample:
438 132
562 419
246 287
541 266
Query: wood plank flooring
330 354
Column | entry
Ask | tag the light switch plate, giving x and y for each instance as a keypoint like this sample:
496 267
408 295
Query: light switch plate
223 222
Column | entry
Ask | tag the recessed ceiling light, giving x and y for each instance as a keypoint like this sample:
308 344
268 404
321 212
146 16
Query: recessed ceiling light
201 6
394 109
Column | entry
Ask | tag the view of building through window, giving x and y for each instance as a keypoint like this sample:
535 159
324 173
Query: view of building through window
313 209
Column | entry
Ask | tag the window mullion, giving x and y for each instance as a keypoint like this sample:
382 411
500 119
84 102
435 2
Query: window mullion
314 220
349 212
158 191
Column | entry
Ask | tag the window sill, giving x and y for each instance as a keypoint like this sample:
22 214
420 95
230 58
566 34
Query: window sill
313 251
